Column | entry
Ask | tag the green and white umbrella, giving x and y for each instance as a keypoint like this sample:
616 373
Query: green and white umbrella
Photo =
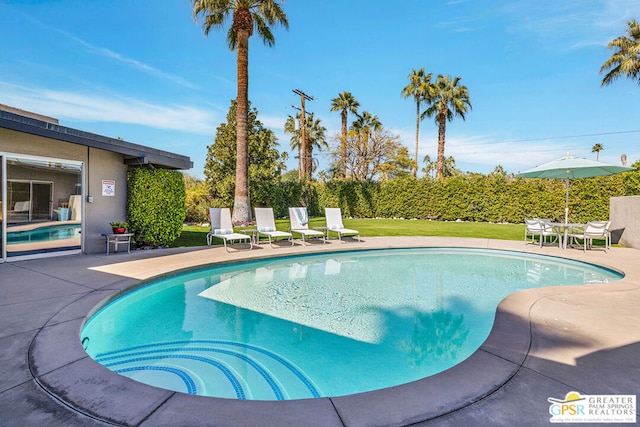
569 168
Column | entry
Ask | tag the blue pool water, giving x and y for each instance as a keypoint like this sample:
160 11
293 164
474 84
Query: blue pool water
44 234
317 325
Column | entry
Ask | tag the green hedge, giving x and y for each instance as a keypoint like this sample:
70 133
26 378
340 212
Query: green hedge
155 205
474 197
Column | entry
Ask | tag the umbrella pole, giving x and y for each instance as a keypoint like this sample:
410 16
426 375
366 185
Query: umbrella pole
566 205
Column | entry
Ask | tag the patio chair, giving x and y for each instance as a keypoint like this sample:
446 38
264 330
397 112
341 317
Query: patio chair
222 228
266 225
542 228
300 224
593 230
334 224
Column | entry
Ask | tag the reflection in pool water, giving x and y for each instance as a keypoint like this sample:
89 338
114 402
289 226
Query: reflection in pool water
37 238
317 325
43 234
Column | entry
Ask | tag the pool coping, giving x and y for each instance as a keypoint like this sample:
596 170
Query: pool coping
80 383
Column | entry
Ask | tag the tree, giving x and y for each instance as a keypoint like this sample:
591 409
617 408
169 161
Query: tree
314 134
295 142
266 162
198 199
420 88
345 103
363 126
429 166
449 100
597 148
246 15
625 61
382 156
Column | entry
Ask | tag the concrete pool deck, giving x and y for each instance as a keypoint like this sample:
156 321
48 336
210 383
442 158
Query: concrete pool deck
545 343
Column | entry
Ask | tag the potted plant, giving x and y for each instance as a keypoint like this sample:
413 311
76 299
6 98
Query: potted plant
63 211
118 227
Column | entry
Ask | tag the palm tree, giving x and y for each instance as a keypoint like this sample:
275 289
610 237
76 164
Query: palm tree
597 148
429 166
315 134
296 139
316 137
246 15
420 88
449 100
345 103
625 61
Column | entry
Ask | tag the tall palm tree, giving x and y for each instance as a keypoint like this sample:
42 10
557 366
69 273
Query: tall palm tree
625 61
296 139
345 103
420 88
449 100
246 15
597 148
315 134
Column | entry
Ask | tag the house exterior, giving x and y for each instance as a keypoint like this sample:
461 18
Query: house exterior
61 187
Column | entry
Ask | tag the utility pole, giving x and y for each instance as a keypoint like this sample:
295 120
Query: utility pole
306 152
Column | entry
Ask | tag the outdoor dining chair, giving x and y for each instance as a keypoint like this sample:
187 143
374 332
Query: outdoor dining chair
599 230
542 228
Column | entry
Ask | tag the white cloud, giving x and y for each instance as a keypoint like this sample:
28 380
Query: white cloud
140 66
570 24
113 109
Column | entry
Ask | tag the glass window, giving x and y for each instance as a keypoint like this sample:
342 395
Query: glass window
43 206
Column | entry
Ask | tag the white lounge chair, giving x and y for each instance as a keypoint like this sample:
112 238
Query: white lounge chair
300 224
333 217
593 230
266 225
222 228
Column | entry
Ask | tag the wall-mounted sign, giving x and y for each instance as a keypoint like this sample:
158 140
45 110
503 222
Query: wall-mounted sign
108 187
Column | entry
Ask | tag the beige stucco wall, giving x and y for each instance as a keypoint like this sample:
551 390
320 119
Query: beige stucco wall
624 213
99 165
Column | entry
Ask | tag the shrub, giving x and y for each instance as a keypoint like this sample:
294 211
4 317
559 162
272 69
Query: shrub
155 206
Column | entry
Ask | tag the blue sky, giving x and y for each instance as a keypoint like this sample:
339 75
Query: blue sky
144 71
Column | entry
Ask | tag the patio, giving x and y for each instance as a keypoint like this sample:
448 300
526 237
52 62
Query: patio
545 343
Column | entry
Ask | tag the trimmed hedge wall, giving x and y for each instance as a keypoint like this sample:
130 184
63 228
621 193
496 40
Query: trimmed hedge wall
155 205
475 197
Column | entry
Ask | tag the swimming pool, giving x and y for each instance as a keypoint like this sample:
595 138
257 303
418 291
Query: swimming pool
316 325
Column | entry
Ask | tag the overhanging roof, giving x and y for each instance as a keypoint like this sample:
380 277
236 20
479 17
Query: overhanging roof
134 154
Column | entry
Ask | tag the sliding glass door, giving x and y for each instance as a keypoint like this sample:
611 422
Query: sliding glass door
43 206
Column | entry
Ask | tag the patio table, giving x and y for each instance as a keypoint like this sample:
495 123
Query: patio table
253 232
564 231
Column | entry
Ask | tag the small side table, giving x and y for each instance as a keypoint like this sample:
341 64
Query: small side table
255 236
117 240
325 231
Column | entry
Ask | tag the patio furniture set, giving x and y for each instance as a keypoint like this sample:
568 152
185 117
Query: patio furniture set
567 234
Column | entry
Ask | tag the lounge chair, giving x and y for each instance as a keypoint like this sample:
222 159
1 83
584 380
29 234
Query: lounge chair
542 228
222 228
300 224
593 230
334 224
266 225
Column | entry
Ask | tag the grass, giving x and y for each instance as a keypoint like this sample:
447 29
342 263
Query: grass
196 235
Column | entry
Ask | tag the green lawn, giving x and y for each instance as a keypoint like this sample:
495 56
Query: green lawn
196 235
